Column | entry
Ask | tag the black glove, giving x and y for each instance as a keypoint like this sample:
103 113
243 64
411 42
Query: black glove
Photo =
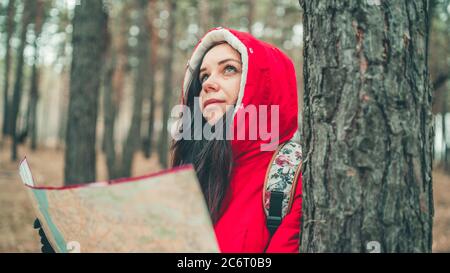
46 247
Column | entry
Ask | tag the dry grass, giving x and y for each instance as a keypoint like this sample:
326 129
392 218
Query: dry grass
441 225
16 214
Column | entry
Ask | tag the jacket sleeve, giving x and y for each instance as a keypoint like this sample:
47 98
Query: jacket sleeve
286 238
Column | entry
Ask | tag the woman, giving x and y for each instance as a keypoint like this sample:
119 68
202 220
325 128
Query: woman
228 72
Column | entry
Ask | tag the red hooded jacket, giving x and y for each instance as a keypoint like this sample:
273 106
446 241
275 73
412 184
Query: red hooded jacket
268 78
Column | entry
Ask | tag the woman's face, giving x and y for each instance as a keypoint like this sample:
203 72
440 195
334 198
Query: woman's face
220 75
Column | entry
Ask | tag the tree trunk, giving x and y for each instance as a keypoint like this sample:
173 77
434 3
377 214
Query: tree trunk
110 113
132 143
34 89
444 158
148 147
204 15
28 8
88 43
114 82
163 145
224 12
251 14
109 107
63 104
440 81
9 32
218 11
368 133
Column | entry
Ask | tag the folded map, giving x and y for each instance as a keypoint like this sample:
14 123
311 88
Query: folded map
160 212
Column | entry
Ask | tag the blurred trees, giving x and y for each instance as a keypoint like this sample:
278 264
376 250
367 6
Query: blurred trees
153 60
167 95
203 14
27 16
116 70
140 29
439 66
251 14
31 120
141 86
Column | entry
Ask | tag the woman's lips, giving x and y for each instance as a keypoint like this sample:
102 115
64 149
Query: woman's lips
211 101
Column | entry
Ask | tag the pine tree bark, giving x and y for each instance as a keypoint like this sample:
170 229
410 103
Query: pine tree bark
88 43
367 133
11 11
164 144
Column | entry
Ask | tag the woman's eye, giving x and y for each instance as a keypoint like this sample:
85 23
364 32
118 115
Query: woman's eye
230 68
203 77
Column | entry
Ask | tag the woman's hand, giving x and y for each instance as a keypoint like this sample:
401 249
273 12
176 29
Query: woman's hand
46 247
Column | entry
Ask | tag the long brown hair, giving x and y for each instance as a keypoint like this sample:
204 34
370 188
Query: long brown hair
212 159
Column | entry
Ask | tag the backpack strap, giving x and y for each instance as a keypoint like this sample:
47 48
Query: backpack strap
280 183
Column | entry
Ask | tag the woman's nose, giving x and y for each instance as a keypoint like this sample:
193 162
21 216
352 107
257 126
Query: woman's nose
210 85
